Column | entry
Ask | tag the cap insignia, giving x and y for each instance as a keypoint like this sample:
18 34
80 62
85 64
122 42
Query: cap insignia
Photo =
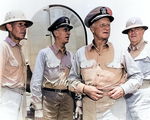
133 21
103 10
67 21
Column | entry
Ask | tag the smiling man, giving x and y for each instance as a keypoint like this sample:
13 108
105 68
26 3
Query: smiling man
138 103
52 67
99 72
13 67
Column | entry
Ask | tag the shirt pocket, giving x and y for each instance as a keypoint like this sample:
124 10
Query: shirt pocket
87 71
87 64
146 59
114 64
53 70
143 57
144 65
14 63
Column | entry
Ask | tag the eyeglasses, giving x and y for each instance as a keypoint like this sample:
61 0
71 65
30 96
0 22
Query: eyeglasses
135 30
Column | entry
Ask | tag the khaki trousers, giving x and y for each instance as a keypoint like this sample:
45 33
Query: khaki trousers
57 106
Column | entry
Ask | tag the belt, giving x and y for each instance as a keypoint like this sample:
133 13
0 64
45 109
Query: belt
145 84
146 81
57 90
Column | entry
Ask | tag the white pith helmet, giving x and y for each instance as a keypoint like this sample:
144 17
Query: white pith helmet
14 16
133 22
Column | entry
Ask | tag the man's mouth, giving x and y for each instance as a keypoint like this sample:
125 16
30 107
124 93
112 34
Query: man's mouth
133 36
105 32
23 33
67 37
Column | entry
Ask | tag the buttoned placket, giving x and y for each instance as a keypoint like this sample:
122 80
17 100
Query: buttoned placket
22 63
98 55
61 65
60 56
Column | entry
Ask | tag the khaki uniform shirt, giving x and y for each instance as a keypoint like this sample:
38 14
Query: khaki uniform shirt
120 58
93 69
50 71
12 65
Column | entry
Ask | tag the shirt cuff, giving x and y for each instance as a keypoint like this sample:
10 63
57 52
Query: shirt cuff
80 88
126 88
36 105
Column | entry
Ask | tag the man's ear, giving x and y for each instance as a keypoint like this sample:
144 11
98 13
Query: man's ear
55 33
9 27
92 29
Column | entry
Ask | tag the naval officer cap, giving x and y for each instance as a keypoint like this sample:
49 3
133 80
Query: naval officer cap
98 13
60 22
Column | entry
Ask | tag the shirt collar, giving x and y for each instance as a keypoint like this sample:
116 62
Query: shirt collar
92 46
12 43
137 47
57 50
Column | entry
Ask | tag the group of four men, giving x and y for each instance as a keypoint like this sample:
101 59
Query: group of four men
111 83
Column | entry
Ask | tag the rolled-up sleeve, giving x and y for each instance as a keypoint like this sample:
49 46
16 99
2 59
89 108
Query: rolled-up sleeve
36 81
134 75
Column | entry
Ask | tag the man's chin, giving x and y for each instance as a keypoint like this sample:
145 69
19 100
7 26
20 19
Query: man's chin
22 38
105 39
66 41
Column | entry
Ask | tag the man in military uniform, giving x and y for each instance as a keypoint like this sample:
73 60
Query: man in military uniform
13 67
138 103
103 69
52 67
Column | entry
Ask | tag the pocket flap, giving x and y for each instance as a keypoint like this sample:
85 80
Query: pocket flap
52 65
14 63
114 65
87 63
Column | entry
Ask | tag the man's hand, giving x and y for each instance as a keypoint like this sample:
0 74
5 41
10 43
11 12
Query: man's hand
38 115
93 92
78 113
116 93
